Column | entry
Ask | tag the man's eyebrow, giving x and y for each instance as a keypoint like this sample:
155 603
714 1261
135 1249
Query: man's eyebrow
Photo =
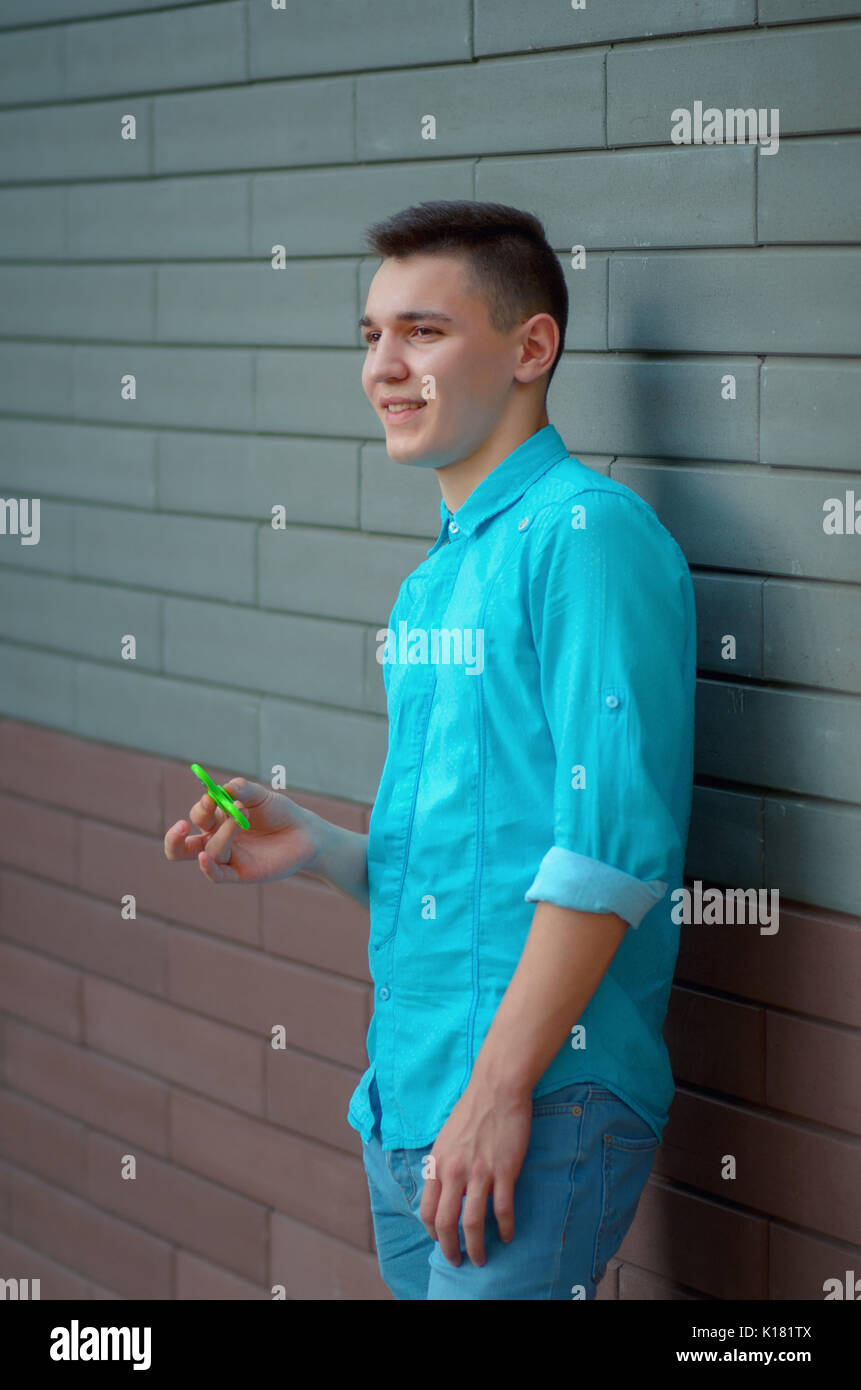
411 316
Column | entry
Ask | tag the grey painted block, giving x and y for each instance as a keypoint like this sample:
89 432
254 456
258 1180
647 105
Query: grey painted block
811 853
683 197
344 36
748 519
42 11
765 69
33 223
78 141
315 480
79 618
621 404
791 11
306 658
31 66
325 211
521 103
725 841
599 463
813 634
398 498
210 387
374 685
150 53
313 392
89 462
587 299
54 551
37 687
181 554
737 301
811 191
334 574
729 606
323 750
192 720
788 740
53 301
588 303
35 379
510 26
275 123
811 414
309 302
159 219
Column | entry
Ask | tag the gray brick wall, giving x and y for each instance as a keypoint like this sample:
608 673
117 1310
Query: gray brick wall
256 127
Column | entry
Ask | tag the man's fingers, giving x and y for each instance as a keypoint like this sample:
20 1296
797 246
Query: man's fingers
219 845
474 1216
179 843
447 1215
430 1200
503 1208
206 813
215 872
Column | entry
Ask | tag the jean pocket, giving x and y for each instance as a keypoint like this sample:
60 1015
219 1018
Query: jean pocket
627 1163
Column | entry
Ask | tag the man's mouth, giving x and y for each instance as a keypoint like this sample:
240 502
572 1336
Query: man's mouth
402 407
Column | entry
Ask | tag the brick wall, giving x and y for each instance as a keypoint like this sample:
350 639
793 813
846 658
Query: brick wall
255 646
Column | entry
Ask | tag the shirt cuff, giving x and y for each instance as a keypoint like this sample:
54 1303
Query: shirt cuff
573 880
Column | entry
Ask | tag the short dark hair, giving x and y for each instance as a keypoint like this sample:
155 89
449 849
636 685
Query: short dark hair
512 264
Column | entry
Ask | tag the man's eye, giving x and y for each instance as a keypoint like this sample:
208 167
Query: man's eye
419 328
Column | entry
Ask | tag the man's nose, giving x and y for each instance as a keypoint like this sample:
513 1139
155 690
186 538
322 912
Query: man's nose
387 361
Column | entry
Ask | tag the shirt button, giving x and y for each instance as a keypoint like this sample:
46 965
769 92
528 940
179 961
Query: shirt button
611 701
523 523
453 527
385 992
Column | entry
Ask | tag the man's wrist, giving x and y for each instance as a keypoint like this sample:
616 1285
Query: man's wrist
322 833
502 1078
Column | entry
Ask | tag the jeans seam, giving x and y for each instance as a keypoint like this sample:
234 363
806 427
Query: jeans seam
573 1171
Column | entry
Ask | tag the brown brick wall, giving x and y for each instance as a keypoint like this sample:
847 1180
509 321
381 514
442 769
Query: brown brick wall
151 1038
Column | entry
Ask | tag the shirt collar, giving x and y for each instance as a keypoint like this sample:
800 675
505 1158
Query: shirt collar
502 487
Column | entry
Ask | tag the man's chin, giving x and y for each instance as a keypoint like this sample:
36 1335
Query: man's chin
409 451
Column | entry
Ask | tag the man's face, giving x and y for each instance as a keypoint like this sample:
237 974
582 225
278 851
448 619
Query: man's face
445 334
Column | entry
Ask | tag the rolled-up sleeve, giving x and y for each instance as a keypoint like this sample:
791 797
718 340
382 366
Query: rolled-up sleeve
613 621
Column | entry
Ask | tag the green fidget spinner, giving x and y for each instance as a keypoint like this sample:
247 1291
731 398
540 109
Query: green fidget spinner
220 795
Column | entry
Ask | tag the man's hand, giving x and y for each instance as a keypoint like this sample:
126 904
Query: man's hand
281 838
480 1149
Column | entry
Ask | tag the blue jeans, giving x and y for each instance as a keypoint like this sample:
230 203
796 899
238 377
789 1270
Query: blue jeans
587 1163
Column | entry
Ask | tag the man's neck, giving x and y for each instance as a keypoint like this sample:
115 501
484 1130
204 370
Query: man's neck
458 480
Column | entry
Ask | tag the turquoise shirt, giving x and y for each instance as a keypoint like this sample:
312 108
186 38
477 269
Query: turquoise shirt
540 671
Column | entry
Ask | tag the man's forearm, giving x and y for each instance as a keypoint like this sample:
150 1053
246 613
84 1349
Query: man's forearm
343 858
567 954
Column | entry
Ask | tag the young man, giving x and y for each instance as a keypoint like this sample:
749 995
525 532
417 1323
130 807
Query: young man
532 815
